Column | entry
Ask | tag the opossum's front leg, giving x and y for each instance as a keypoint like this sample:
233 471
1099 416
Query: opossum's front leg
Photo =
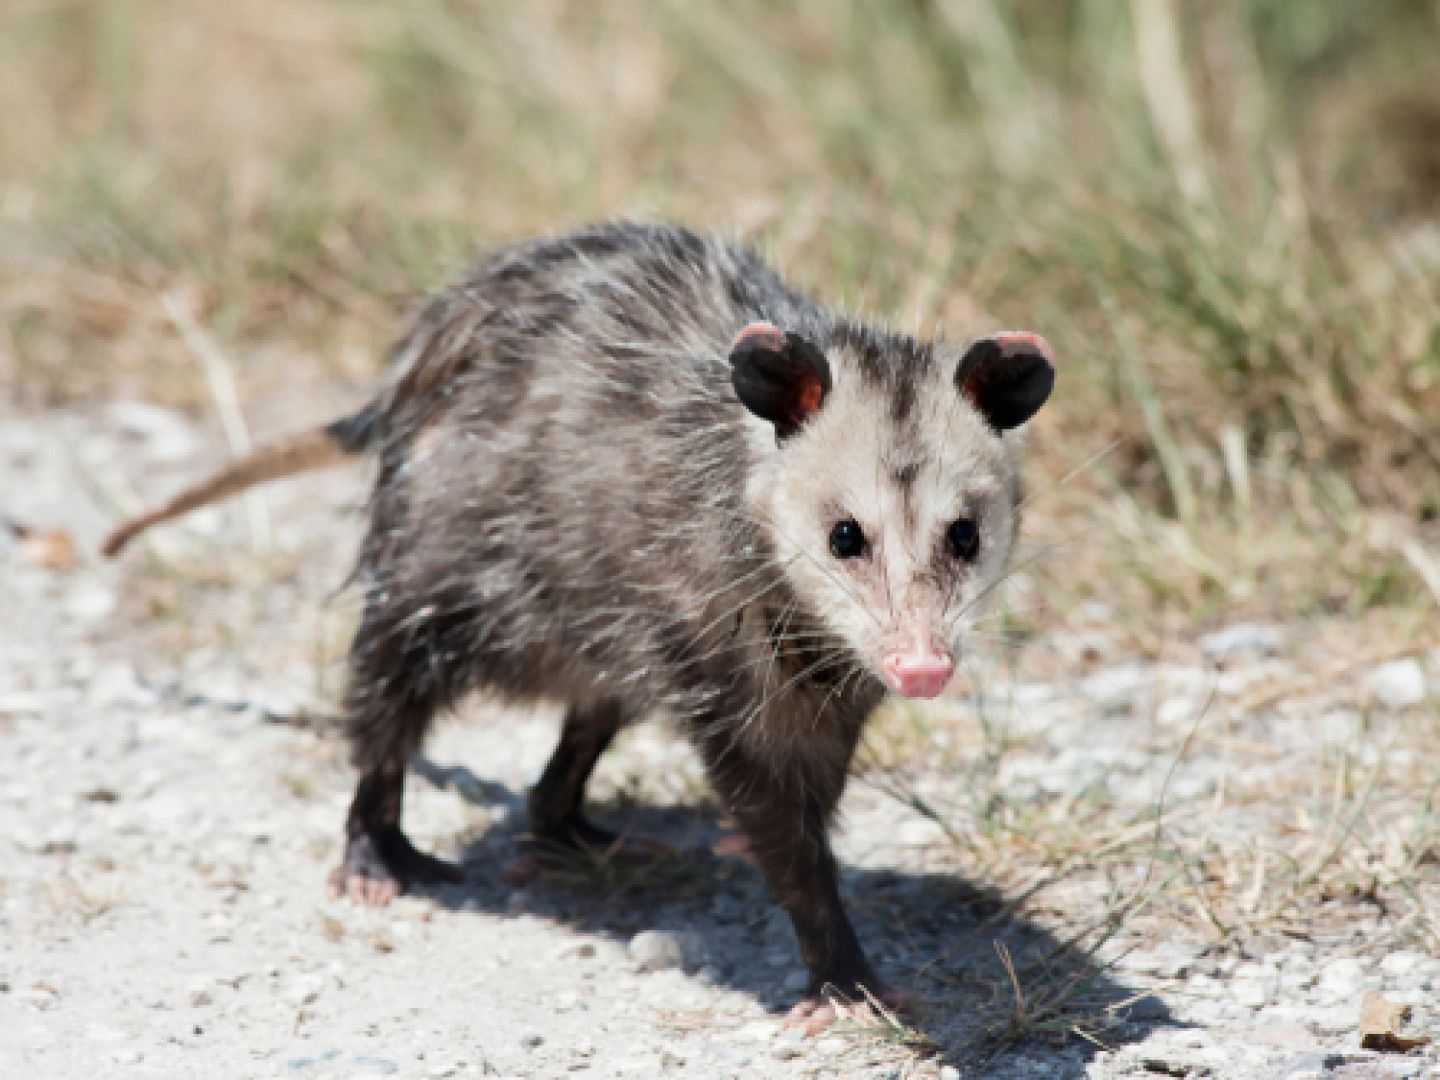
782 809
380 862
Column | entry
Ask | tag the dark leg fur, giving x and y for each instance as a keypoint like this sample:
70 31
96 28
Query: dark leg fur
557 824
555 815
783 808
395 689
380 862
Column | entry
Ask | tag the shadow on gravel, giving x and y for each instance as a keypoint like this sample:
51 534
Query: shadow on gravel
937 935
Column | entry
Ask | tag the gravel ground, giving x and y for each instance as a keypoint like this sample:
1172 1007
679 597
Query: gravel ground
172 799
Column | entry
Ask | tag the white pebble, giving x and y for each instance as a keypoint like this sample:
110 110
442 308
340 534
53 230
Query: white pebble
656 950
166 434
1398 684
90 601
919 833
1254 639
790 1044
1402 962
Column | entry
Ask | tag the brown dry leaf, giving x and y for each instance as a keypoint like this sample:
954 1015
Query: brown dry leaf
1380 1022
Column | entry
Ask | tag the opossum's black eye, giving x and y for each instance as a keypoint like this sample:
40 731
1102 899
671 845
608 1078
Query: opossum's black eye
963 539
847 541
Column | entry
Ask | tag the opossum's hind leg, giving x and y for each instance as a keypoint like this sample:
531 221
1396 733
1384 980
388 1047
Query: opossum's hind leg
555 801
558 824
398 679
380 862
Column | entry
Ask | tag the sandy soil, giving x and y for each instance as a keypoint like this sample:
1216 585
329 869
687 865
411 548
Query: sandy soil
172 797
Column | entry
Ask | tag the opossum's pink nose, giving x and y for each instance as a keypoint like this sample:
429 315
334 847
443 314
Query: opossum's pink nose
918 675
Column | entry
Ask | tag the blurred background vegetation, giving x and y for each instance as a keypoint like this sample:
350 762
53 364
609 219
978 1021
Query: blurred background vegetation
1225 216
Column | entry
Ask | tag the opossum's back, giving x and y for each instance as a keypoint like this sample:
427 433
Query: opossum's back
633 316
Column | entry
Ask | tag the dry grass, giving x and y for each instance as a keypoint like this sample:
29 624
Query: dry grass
1226 225
1293 808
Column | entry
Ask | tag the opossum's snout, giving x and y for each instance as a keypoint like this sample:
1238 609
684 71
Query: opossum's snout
912 659
917 666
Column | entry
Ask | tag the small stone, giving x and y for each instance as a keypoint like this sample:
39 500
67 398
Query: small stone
1168 961
1284 1034
919 833
656 950
1252 993
380 1066
949 1072
758 1031
532 1041
1398 684
1402 963
1342 978
729 1055
201 997
790 1044
166 434
90 601
1333 1019
1121 689
1404 1067
1241 639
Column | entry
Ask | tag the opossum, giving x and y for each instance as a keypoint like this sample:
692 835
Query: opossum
632 470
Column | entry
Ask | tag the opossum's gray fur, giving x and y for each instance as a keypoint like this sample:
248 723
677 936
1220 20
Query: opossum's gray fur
572 503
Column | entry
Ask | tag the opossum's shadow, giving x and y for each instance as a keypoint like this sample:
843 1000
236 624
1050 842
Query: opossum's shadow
934 934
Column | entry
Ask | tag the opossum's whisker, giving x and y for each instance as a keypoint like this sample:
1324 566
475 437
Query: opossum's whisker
785 688
1015 568
1084 466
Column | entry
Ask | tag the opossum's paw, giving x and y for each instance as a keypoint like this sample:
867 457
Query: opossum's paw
817 1011
378 866
578 840
733 845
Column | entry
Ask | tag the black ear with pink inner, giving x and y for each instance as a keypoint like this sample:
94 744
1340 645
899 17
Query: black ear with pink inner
780 377
1007 377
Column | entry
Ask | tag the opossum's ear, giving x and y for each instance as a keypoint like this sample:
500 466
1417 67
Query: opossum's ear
780 377
1007 377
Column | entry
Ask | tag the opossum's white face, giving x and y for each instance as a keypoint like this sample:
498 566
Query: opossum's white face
892 495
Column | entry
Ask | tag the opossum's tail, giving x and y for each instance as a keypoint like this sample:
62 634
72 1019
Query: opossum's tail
314 449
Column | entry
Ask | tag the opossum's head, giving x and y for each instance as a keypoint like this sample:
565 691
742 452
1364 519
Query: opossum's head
891 489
